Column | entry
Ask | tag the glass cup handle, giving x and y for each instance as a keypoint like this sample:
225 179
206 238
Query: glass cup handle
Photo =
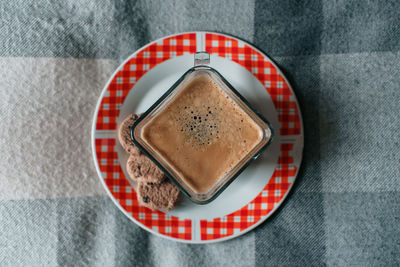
201 58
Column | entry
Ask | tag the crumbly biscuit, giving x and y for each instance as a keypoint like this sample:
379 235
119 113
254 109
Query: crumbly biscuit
158 196
124 134
140 167
154 190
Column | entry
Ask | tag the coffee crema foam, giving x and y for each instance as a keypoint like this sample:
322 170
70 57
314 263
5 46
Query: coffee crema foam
202 133
200 125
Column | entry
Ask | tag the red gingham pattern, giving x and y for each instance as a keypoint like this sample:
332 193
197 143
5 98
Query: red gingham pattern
261 206
134 69
120 86
265 72
124 193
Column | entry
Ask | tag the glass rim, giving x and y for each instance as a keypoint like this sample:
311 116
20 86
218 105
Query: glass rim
166 172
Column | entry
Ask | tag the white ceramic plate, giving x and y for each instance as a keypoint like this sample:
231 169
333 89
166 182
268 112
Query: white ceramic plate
258 191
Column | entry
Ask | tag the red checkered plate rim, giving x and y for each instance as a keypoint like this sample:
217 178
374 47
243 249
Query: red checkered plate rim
288 129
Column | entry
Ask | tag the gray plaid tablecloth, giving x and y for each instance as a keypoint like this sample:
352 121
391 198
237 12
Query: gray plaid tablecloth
343 60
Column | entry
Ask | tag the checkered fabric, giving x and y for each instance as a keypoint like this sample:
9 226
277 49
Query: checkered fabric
342 60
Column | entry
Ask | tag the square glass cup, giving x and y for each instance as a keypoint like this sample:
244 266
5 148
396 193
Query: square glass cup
198 151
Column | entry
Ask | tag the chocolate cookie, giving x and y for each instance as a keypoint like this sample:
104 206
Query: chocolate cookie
124 135
158 196
140 167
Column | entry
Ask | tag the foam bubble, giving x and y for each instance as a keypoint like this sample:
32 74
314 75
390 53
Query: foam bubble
199 125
